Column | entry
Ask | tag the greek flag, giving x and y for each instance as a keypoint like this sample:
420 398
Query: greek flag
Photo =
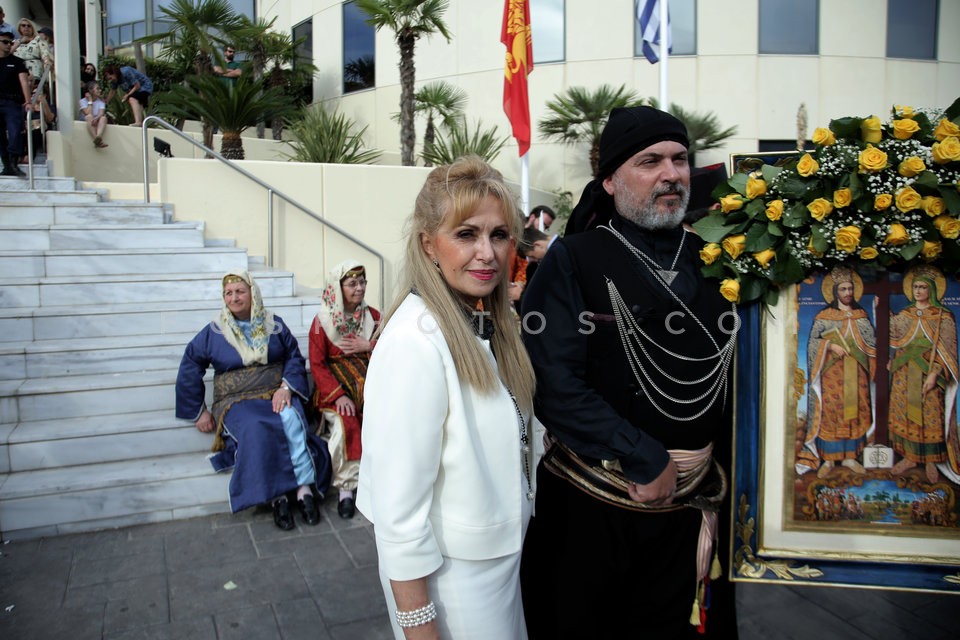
648 13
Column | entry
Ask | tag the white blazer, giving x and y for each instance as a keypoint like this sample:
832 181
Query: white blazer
442 466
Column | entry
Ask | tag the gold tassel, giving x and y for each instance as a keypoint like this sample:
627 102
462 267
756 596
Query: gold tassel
695 613
715 569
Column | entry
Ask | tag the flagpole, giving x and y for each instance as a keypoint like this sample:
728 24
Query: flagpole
664 54
525 184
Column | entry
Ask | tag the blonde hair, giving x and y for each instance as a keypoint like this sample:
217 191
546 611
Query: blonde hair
451 194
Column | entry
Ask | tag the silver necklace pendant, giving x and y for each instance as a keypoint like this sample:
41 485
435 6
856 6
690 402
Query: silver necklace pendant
667 275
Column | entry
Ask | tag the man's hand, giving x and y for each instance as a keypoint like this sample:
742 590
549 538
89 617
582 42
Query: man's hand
205 422
658 492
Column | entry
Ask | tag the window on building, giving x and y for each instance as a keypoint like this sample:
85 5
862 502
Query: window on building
547 24
683 28
358 50
912 29
789 27
304 30
123 18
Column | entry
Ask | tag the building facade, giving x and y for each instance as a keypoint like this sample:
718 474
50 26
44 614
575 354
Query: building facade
753 63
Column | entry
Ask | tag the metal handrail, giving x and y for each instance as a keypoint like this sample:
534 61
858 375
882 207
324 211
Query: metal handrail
29 127
271 191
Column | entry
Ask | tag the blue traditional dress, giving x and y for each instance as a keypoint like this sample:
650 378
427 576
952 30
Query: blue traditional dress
270 453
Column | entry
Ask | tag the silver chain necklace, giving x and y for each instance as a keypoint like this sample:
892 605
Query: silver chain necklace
632 337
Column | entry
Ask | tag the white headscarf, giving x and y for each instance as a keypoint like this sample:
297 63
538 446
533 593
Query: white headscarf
261 324
335 323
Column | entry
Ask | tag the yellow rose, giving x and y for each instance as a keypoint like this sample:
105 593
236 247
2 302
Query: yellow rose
947 150
912 166
882 201
908 199
872 159
847 239
734 245
823 137
868 253
774 210
756 187
945 129
931 249
871 129
731 202
807 166
730 289
819 208
904 129
764 257
948 226
841 198
710 253
897 236
903 110
933 205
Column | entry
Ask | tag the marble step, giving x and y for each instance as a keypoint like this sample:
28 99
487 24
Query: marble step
42 182
16 197
66 500
121 261
143 318
95 439
39 237
103 213
105 356
119 289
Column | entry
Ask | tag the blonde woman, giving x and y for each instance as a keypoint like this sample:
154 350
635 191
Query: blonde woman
446 470
32 49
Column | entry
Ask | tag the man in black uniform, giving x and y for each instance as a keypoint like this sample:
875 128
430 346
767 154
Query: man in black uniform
632 349
14 100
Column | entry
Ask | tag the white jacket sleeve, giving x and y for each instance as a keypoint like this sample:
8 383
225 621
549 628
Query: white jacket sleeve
405 408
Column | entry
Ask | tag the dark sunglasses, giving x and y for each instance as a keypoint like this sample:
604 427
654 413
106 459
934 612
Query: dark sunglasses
6 41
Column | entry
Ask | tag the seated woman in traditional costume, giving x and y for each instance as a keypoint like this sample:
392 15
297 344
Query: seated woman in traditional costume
259 384
340 345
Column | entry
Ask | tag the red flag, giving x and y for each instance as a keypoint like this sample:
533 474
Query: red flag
515 36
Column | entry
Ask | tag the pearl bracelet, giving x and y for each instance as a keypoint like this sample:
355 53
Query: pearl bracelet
417 617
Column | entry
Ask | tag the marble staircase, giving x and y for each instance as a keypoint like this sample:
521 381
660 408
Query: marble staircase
97 301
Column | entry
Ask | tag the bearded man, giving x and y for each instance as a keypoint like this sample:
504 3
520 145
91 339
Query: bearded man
632 349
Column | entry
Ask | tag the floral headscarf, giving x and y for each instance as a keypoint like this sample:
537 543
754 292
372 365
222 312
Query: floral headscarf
335 323
261 323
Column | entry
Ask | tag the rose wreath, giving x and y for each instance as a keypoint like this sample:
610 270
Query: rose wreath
871 194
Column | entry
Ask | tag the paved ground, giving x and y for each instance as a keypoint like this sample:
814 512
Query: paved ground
238 577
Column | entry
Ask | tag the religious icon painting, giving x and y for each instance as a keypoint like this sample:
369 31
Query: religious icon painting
857 463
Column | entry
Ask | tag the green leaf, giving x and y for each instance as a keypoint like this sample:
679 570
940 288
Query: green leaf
770 172
818 238
758 239
796 188
713 227
739 183
951 198
787 268
910 251
715 270
771 297
927 179
796 216
756 208
856 187
774 229
953 111
846 127
752 288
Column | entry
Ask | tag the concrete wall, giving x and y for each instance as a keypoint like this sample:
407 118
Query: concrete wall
760 94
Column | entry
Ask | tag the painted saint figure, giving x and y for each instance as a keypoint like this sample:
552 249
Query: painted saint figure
841 360
924 374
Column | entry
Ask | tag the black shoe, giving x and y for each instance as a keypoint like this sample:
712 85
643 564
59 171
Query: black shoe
281 514
346 508
13 170
308 509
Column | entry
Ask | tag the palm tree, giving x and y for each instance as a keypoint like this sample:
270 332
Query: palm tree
233 108
579 116
322 136
703 129
198 31
272 56
461 142
359 73
408 19
439 100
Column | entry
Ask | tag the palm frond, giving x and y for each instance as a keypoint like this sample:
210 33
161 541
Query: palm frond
460 141
322 136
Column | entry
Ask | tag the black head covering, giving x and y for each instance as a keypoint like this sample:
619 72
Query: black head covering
628 131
